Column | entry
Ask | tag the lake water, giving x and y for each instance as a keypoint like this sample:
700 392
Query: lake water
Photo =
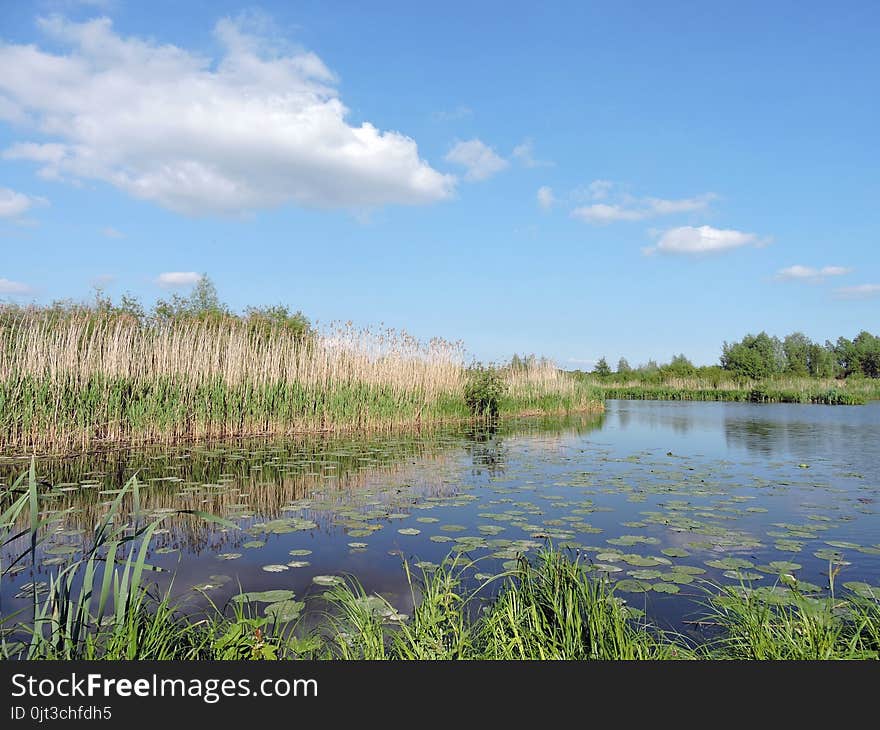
659 496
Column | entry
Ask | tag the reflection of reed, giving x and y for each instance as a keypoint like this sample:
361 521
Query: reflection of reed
254 480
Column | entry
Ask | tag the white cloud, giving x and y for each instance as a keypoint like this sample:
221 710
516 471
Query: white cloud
599 189
524 154
260 126
14 288
808 273
545 197
175 279
859 291
14 204
636 209
111 232
604 213
480 160
690 241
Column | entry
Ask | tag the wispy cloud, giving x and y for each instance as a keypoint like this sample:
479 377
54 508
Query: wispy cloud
260 126
810 274
111 232
14 204
524 154
699 240
177 279
545 197
451 115
14 288
636 209
859 291
480 161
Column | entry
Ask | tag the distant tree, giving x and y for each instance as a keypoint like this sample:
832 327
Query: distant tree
202 303
679 367
623 367
797 353
820 361
602 368
755 356
278 317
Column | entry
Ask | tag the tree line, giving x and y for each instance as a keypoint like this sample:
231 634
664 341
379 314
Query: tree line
759 356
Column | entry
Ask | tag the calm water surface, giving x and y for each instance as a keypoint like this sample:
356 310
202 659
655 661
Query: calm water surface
658 496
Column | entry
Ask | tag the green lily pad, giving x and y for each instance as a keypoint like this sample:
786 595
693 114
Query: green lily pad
298 564
299 552
328 580
275 568
254 544
229 556
730 563
409 531
358 545
273 596
665 588
779 566
644 573
675 552
630 585
284 611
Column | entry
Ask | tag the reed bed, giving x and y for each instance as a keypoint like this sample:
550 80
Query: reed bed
73 381
827 391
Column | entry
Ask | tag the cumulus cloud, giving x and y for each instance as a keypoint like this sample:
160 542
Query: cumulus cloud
859 291
177 279
14 288
14 204
480 161
260 126
545 197
635 209
808 273
694 241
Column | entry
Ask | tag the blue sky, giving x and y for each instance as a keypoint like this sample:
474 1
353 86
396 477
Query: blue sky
571 179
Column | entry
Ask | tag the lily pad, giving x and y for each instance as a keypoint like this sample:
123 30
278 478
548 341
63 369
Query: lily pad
229 556
328 580
275 568
665 588
632 586
284 611
273 596
409 531
675 552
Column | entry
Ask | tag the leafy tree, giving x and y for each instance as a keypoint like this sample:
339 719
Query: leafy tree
602 369
679 367
797 353
755 356
623 367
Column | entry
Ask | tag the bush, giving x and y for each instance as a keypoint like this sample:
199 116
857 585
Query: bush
483 390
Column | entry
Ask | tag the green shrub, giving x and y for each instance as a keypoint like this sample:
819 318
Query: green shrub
483 390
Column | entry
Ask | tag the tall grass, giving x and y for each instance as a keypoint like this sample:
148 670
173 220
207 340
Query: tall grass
781 389
71 381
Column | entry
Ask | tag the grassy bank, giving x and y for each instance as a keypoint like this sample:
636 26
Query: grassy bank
828 391
76 379
102 606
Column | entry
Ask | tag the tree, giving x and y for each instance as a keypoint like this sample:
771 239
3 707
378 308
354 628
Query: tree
623 367
202 303
755 356
602 368
797 353
679 367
